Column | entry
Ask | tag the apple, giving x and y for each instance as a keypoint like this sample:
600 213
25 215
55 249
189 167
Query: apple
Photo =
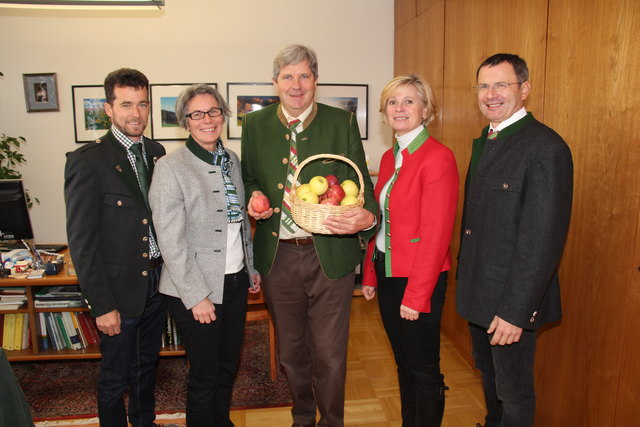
335 192
349 200
310 197
330 201
350 188
302 189
260 203
318 184
332 180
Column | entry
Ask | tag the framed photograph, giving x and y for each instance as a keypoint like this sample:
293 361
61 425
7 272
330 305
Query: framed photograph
354 98
89 118
164 123
41 92
244 98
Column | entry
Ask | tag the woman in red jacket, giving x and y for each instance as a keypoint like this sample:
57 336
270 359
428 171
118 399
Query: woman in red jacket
408 259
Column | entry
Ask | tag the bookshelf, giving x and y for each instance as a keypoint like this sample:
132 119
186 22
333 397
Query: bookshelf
34 352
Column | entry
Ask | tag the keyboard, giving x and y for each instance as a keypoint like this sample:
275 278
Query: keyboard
47 247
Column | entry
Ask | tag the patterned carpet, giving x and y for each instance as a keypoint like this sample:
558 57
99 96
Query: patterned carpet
67 389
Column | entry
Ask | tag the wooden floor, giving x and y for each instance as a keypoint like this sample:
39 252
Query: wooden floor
372 397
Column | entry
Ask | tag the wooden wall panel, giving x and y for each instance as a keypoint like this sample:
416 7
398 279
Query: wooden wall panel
587 369
469 39
405 11
585 75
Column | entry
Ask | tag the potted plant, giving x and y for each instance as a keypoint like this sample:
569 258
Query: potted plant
10 158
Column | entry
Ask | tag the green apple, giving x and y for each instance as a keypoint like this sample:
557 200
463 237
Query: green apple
319 184
350 188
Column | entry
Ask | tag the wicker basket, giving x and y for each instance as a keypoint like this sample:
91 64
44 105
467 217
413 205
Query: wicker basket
310 216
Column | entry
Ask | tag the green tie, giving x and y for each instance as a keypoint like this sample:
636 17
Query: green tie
141 168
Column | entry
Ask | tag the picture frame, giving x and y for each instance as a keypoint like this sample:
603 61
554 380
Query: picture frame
350 97
164 123
90 120
244 98
41 92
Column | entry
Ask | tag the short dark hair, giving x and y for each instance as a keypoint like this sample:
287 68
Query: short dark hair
519 65
124 77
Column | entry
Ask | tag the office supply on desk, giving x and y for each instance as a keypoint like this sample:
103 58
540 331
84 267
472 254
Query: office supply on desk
46 247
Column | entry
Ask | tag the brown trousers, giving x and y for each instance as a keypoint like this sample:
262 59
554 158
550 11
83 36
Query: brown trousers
311 315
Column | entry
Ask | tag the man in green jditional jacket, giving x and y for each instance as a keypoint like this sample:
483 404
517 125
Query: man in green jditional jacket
307 279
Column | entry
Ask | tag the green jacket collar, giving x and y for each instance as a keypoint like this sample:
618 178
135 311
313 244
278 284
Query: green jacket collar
198 151
415 144
511 129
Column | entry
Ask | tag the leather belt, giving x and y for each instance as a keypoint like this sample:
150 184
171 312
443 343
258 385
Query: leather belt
300 241
155 263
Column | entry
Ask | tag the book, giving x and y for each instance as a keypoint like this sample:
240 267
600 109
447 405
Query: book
26 336
56 338
8 331
58 304
13 290
74 339
17 332
76 325
43 337
63 333
56 292
90 328
1 328
11 305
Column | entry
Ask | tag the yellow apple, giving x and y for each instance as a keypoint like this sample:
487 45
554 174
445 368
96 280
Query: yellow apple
318 184
349 200
310 197
350 188
302 189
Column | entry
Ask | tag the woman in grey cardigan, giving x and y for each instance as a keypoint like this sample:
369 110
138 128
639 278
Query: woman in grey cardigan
197 200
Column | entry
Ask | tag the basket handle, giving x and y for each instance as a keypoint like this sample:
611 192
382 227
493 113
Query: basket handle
330 156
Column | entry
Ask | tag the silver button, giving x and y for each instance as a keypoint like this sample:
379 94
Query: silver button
467 232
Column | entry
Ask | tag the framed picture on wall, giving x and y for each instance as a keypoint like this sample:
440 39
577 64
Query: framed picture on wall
164 123
89 118
350 97
41 92
244 98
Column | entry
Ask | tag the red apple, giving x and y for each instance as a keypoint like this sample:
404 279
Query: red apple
332 180
329 201
260 203
335 192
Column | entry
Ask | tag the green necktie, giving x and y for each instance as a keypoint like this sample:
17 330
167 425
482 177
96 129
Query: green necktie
141 168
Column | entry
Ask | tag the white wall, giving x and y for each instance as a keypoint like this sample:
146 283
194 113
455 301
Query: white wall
188 41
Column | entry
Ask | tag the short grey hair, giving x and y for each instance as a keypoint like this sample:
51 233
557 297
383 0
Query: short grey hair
294 54
191 92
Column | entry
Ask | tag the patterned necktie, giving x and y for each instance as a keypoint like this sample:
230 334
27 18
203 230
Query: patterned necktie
493 134
287 220
141 169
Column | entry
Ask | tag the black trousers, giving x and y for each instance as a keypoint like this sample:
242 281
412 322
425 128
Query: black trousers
416 348
129 361
213 352
507 377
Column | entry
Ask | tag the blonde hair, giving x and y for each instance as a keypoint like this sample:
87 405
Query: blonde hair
424 92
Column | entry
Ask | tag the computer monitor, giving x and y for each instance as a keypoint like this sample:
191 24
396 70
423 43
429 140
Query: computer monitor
15 223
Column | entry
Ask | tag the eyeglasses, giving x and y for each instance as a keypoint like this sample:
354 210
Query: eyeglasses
497 87
199 115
